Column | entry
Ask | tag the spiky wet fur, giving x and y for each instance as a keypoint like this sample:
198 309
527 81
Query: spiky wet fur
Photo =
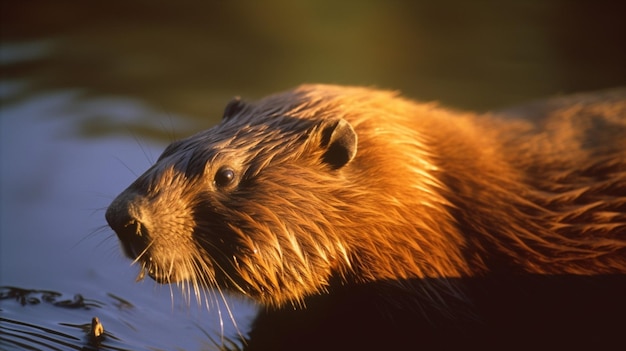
431 193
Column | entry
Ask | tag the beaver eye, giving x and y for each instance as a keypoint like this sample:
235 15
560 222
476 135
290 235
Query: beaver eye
224 177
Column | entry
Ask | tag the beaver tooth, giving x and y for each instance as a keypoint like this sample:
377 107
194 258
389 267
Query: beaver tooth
141 275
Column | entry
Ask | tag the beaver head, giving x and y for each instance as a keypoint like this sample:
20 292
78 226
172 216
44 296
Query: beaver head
289 193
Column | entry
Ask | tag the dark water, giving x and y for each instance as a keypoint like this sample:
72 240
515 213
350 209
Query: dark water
92 92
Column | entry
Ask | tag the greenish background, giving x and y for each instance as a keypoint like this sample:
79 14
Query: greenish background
189 57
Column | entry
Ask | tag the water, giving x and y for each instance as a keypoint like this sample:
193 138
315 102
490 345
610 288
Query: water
91 93
53 200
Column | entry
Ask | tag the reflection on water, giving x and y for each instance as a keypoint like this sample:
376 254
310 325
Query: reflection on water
91 93
35 297
49 320
26 335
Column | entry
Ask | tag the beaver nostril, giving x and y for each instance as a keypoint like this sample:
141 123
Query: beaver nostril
123 217
120 219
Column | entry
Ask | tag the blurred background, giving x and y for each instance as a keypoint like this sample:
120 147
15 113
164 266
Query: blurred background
91 92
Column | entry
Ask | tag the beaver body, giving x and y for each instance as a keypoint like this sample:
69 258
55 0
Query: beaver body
361 219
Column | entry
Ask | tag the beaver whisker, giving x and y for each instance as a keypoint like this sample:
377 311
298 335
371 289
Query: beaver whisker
185 269
230 280
231 315
208 271
198 279
202 276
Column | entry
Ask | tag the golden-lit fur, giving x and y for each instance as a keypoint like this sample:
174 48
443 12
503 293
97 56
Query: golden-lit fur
424 193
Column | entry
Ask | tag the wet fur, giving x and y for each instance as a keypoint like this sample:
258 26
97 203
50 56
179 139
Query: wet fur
415 219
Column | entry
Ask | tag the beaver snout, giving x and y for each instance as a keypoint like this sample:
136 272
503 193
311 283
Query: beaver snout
124 217
155 233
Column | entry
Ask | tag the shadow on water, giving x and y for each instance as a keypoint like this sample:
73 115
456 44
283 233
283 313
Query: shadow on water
522 312
90 94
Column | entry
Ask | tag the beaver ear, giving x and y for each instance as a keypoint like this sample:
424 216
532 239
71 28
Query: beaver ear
233 107
339 140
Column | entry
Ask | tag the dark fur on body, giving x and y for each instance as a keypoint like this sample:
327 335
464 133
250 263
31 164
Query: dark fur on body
405 222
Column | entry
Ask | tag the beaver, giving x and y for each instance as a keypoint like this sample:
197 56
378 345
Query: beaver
361 219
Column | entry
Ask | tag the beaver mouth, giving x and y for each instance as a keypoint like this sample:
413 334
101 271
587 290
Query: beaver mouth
135 243
156 272
153 273
138 250
160 266
133 247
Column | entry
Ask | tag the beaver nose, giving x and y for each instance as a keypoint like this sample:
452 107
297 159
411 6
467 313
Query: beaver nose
124 217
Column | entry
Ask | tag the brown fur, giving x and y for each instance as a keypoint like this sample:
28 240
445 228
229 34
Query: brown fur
339 186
